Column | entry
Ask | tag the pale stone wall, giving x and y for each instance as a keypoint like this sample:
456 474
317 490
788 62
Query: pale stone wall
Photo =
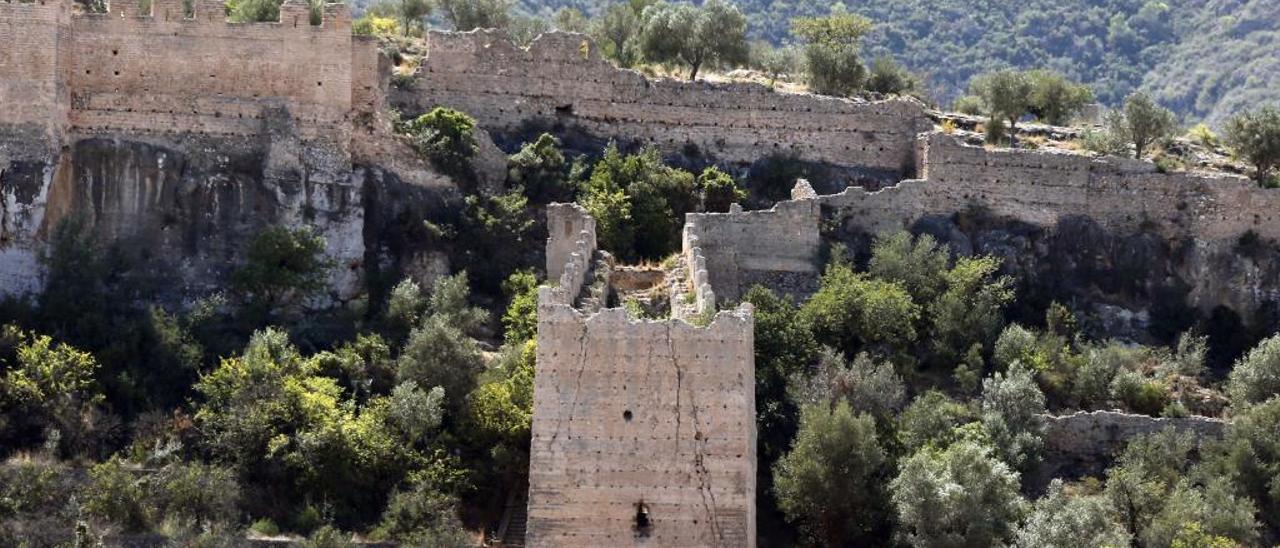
637 416
1086 435
562 80
1043 187
568 225
778 248
162 72
34 65
630 413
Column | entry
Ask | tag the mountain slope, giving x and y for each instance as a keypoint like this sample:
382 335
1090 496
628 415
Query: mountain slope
1204 59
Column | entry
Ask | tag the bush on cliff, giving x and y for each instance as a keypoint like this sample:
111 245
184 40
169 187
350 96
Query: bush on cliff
283 267
446 137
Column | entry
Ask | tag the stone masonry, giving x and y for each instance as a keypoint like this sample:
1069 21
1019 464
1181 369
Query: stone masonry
643 430
561 80
170 72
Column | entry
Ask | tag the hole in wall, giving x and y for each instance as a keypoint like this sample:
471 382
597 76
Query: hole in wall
626 415
642 524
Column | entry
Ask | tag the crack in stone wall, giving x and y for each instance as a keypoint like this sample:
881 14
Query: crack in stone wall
662 415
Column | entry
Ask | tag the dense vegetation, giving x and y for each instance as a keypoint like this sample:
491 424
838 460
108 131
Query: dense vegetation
1205 60
931 435
407 418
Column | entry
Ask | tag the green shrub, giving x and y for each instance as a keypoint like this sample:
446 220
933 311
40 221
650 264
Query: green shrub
328 536
446 137
116 496
265 527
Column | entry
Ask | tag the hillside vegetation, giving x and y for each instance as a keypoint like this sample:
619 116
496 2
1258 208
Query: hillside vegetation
1204 60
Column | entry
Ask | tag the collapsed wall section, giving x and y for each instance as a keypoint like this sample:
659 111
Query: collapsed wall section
777 248
560 80
643 431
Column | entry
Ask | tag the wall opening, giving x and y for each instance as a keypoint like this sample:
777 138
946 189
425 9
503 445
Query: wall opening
643 525
626 415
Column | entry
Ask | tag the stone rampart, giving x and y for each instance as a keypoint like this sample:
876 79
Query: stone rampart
561 81
643 431
778 248
34 69
165 72
1043 187
1090 435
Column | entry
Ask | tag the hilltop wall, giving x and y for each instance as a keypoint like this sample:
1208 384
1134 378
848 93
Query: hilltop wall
1042 188
637 418
34 69
165 73
561 81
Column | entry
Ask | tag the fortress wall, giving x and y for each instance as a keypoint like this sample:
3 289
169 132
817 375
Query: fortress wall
164 73
34 58
653 415
370 76
777 248
1087 443
1042 187
561 79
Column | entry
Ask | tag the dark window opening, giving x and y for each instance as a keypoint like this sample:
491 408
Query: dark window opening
626 415
642 523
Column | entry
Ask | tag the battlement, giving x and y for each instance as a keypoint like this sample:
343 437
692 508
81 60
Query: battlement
170 71
335 17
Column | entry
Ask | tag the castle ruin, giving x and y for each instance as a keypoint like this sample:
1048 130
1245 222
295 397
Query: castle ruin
643 430
182 132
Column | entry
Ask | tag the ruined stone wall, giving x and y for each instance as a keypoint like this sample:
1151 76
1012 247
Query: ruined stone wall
34 65
1041 188
642 416
1089 435
637 417
561 80
1121 194
777 248
571 231
165 73
1086 443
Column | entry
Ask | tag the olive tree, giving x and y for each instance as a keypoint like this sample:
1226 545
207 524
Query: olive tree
1256 376
476 14
1255 137
831 50
714 33
1005 95
961 496
832 481
1059 520
1054 99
